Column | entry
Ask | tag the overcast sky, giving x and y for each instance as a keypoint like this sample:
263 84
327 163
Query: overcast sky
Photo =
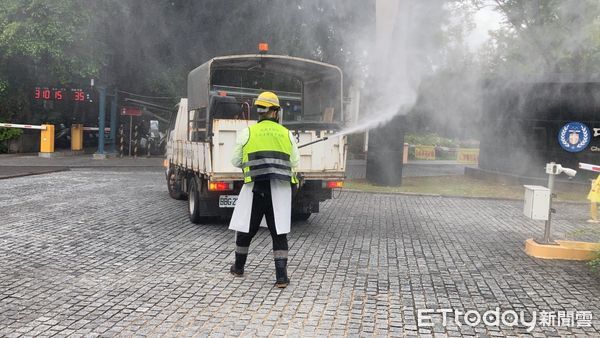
486 19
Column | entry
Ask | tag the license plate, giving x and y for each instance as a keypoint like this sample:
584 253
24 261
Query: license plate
227 201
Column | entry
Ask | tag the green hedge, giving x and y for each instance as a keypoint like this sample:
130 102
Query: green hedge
430 139
7 134
451 154
433 139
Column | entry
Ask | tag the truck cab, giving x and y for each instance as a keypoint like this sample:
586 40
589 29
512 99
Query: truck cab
221 93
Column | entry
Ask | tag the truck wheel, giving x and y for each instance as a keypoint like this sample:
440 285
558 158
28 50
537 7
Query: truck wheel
195 199
174 186
303 216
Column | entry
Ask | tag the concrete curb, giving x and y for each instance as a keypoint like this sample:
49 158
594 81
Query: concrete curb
113 166
566 250
85 166
23 174
391 193
76 161
12 171
453 196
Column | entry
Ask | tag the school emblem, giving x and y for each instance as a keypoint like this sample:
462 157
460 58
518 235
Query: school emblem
574 137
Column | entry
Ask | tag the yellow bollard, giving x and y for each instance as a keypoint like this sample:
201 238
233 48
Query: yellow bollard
594 197
593 212
47 139
77 137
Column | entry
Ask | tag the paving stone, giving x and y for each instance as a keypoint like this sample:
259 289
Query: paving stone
108 253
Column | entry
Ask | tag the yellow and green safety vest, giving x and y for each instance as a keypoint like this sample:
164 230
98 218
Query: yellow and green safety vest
267 153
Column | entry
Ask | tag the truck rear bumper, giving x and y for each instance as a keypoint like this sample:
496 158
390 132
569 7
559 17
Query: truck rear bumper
305 199
307 176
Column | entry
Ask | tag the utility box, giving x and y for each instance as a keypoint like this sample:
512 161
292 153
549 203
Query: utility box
537 202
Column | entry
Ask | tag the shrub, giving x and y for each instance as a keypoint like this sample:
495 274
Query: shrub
430 139
7 134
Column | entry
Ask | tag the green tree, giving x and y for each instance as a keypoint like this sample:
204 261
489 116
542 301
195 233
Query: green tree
42 42
149 47
542 37
155 44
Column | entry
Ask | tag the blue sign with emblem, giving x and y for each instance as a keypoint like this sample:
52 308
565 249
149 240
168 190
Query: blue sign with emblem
574 137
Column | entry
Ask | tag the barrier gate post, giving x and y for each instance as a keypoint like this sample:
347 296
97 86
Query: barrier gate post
46 136
76 137
47 140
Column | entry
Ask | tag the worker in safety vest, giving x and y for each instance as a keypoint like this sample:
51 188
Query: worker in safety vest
594 197
267 153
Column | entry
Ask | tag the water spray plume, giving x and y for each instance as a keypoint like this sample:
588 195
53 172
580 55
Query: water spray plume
366 124
405 48
379 118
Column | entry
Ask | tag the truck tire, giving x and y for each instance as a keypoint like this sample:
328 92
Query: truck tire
174 186
196 195
301 217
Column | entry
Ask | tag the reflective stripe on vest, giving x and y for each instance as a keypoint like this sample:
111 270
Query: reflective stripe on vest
267 153
267 161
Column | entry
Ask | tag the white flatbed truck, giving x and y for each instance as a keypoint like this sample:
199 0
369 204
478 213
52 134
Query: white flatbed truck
221 92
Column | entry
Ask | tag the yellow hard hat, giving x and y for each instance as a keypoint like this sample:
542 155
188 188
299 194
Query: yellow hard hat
267 99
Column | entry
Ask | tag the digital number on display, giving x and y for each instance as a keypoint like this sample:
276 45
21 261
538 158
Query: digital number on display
60 94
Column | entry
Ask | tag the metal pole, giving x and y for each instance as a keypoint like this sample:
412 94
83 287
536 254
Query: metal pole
101 119
548 222
130 132
121 140
135 142
113 123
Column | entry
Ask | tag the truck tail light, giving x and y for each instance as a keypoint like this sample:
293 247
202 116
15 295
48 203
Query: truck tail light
334 184
263 47
220 186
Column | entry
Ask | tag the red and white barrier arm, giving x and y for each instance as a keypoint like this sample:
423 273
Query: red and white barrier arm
95 129
42 127
590 167
21 126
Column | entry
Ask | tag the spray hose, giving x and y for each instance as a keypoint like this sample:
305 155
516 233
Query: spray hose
313 142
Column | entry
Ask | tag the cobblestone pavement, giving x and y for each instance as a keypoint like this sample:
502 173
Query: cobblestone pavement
91 253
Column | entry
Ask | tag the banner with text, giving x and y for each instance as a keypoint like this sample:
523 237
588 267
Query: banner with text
425 152
470 156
